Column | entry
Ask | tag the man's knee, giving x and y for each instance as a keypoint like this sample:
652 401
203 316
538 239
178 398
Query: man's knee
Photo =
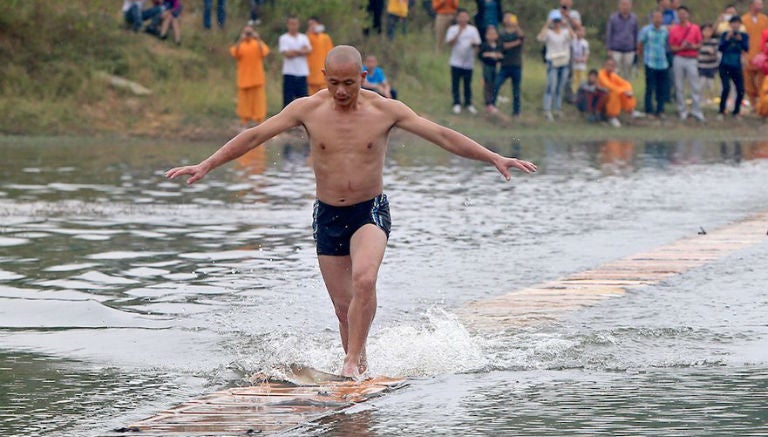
341 313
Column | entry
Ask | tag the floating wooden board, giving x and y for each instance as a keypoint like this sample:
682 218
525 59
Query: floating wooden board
263 409
551 300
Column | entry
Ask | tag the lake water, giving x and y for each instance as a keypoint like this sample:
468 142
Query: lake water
122 293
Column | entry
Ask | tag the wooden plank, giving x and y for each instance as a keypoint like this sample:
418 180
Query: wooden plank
545 302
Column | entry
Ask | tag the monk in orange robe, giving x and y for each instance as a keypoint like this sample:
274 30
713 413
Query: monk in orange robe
321 44
620 94
250 52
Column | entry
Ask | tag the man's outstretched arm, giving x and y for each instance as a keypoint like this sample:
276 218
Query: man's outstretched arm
455 142
242 143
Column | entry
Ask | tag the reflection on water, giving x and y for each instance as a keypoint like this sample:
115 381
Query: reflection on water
122 293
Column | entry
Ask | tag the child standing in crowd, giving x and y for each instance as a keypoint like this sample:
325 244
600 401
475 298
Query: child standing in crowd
580 51
490 55
708 62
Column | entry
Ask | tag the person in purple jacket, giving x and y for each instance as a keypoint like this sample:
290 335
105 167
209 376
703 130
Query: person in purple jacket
621 38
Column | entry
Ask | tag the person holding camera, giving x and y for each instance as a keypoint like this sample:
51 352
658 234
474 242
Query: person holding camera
250 51
733 44
569 17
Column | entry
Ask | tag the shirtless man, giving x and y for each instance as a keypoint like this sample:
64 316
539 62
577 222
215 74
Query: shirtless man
348 130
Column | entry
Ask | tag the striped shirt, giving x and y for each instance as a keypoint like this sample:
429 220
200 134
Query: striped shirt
654 43
708 54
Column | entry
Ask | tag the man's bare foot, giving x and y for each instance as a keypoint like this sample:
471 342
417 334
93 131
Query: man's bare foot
350 369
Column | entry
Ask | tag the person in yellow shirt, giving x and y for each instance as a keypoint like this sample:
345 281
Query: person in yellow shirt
620 94
321 44
397 13
755 22
250 51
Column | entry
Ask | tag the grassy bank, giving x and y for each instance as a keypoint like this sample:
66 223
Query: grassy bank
52 75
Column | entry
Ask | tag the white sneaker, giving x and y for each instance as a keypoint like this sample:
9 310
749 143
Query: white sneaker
683 116
637 114
700 117
457 109
548 116
471 109
614 122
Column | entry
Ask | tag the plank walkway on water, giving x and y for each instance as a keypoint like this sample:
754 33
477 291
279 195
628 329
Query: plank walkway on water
273 407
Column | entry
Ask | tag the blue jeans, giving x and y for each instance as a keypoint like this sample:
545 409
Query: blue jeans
514 72
221 12
135 17
656 83
557 78
392 22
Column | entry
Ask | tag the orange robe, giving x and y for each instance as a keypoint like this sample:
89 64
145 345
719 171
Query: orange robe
752 76
762 100
251 96
617 99
321 44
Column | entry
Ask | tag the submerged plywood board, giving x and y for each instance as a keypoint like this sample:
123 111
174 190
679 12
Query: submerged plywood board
264 409
549 301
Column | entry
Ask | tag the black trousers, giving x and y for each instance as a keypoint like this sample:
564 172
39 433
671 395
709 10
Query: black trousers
728 74
461 75
656 85
293 88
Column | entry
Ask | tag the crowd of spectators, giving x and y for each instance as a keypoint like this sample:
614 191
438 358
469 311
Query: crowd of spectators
679 59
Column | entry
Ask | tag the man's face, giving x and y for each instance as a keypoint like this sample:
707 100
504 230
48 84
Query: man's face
625 6
293 25
657 18
756 6
665 4
463 18
735 26
311 25
610 65
592 78
371 63
568 4
344 82
682 14
730 10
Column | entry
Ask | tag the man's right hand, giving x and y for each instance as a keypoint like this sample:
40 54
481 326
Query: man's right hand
196 172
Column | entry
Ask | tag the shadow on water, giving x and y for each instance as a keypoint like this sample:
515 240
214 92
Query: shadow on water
122 293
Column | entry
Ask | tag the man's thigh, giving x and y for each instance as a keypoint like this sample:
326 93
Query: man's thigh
367 248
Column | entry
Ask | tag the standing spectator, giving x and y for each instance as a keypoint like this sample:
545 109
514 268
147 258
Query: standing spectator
374 9
685 42
321 44
488 14
733 44
723 24
708 61
755 22
294 47
221 13
397 13
668 13
580 53
511 39
172 10
375 79
620 94
463 39
621 38
445 12
490 55
652 48
558 43
571 18
250 52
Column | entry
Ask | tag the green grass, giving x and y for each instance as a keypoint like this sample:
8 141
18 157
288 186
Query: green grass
49 83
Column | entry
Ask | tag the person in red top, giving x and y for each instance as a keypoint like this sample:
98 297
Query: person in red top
685 42
445 13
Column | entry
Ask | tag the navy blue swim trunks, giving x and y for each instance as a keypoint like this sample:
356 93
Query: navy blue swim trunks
333 226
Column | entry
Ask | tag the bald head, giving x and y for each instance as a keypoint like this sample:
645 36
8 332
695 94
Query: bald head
343 55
